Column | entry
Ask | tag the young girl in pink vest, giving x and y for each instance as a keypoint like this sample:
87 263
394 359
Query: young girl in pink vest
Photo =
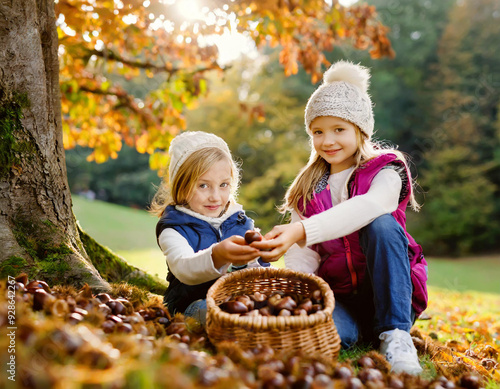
348 221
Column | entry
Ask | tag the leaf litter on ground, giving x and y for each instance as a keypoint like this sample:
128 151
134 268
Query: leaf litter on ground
127 339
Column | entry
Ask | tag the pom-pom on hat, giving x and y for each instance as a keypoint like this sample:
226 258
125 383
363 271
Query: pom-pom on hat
183 145
344 94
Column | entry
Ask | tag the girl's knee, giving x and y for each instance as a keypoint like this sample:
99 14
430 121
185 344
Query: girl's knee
384 228
383 225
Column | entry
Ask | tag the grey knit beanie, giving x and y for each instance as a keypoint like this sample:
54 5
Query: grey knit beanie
344 94
183 145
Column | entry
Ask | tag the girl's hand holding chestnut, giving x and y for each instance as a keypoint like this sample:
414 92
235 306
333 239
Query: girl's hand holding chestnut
252 236
277 241
233 250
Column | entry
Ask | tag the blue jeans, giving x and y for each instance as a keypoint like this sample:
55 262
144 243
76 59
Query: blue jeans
197 310
383 301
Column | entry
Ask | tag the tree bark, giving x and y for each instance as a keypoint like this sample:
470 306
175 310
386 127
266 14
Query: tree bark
38 230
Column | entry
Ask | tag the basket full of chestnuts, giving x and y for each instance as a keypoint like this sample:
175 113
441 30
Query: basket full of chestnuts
285 309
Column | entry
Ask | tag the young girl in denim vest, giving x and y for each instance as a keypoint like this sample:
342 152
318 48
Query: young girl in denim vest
201 226
348 221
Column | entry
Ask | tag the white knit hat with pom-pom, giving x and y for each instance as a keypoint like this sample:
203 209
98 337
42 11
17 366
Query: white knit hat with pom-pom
185 144
343 94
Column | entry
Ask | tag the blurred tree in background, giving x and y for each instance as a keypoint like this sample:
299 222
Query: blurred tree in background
127 180
462 174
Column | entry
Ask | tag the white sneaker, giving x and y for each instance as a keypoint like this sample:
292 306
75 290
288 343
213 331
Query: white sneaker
398 348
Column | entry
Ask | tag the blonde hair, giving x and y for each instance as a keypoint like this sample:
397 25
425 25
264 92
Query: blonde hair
180 189
302 188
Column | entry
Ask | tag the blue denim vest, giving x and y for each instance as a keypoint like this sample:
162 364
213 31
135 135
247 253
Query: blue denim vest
200 235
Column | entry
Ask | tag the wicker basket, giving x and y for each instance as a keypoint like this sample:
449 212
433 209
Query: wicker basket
312 334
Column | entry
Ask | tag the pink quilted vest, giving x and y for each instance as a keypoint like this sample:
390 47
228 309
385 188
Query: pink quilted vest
342 261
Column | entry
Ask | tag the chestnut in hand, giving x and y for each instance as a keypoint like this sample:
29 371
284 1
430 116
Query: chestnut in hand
252 236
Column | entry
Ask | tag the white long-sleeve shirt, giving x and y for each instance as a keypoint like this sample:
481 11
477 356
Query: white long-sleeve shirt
188 266
346 216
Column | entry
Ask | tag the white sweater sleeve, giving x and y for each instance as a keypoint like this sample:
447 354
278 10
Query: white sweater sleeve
301 258
187 266
356 212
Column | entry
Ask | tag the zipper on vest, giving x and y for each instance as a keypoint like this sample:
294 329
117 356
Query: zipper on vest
354 276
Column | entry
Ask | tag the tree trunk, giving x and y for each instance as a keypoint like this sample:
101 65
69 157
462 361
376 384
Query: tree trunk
38 231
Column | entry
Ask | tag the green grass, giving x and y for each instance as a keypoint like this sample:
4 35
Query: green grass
128 232
117 227
151 260
475 273
131 234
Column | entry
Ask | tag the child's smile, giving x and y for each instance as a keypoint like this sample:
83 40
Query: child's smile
211 192
335 140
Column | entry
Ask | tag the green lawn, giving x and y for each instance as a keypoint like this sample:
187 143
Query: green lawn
115 226
480 273
131 234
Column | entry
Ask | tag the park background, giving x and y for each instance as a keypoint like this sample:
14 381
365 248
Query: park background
438 100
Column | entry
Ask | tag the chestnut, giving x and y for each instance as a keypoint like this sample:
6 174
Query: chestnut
285 303
470 381
366 362
104 297
342 372
75 318
125 328
252 236
258 297
176 328
265 311
322 380
116 306
234 307
22 278
40 298
319 367
249 303
354 383
19 286
81 311
316 296
115 319
274 299
164 321
108 326
176 337
301 383
369 374
105 309
395 383
442 382
306 305
36 284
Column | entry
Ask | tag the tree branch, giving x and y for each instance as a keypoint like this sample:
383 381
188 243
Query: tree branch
111 55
